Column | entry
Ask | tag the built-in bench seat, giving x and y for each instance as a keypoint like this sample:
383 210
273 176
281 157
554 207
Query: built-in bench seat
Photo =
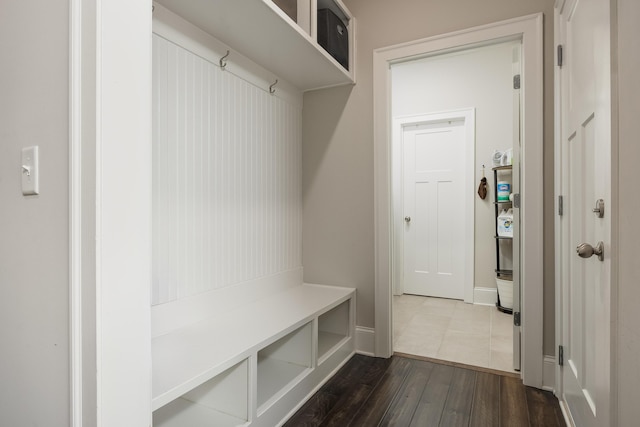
256 363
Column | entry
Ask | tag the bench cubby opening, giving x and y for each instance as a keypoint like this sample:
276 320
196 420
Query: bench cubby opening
333 329
222 401
282 363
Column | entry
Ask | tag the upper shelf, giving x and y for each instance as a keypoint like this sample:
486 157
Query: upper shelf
260 30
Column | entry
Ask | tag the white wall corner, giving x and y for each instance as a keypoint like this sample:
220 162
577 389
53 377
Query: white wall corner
549 374
365 341
485 296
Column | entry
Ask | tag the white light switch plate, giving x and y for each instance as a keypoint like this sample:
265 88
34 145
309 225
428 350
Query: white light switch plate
30 172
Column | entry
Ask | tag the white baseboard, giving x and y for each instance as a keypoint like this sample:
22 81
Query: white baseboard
565 413
549 373
485 296
365 341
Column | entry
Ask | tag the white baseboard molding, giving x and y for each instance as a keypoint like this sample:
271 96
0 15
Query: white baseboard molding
485 296
567 417
365 341
549 373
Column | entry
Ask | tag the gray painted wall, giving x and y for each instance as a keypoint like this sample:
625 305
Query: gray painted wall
34 373
338 205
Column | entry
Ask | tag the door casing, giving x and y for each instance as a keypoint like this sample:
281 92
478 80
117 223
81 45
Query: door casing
528 29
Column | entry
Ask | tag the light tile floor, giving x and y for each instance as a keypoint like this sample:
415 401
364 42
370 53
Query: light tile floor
452 330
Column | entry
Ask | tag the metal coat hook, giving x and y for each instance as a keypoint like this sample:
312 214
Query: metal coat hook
223 62
272 89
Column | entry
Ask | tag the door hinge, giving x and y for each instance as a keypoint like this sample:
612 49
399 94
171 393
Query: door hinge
560 56
560 355
516 318
516 81
516 200
560 205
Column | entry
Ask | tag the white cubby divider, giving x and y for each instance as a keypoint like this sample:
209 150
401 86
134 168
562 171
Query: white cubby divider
255 364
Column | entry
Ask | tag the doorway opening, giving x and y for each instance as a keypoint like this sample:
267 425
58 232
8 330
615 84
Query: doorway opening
528 31
448 251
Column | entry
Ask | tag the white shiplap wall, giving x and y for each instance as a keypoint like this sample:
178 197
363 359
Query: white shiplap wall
226 177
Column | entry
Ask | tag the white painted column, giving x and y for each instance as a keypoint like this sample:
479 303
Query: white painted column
124 213
111 199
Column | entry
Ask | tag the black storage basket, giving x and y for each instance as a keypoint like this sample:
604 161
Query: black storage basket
333 36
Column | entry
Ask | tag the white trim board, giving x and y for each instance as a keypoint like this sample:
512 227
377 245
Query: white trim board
110 246
485 296
557 187
84 17
365 341
75 212
529 30
549 374
565 413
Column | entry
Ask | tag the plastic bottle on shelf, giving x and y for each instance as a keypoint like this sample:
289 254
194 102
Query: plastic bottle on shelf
505 223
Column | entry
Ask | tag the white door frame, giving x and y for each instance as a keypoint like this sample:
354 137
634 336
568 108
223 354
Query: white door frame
529 30
110 212
397 174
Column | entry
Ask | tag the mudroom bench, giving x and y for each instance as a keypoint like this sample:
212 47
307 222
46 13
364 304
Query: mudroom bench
252 364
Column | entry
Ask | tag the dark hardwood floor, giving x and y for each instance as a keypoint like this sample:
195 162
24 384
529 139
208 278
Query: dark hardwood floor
403 391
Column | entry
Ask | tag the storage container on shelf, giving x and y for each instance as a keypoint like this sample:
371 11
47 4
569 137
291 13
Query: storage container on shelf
505 223
504 190
505 292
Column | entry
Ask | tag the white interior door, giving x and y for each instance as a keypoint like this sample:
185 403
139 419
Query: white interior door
438 209
586 177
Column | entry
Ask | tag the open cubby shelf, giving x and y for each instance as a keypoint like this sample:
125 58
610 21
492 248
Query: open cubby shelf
221 401
327 341
282 363
273 377
182 413
332 329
